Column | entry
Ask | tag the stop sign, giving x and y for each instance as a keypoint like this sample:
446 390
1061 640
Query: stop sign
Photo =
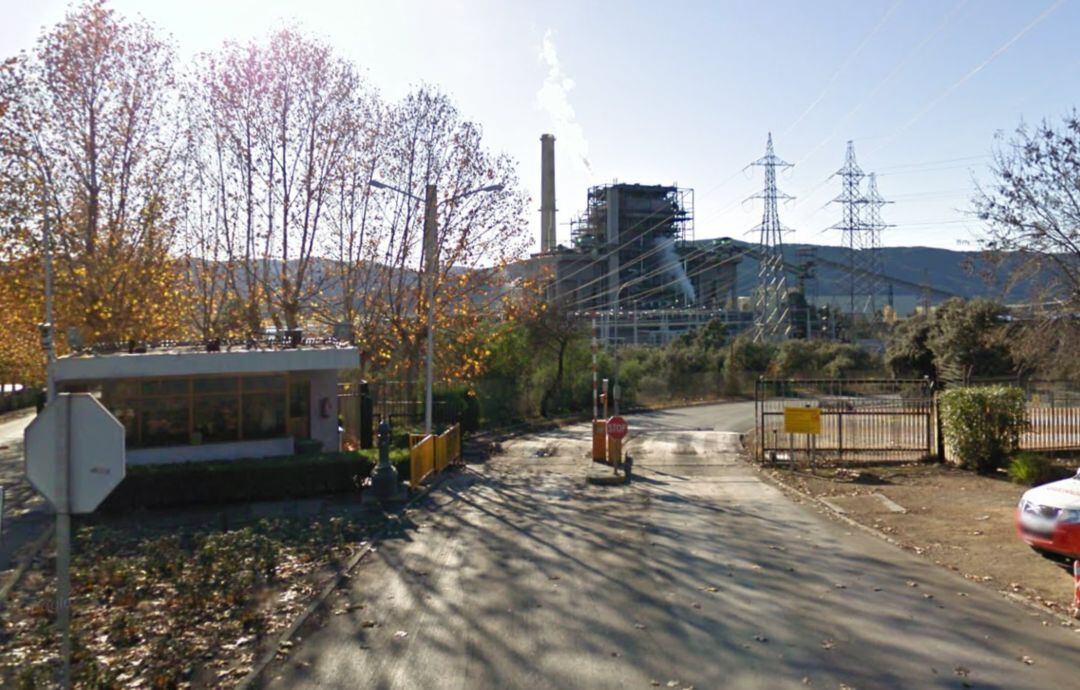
617 427
95 451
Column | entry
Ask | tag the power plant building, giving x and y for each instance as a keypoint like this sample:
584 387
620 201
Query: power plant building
633 265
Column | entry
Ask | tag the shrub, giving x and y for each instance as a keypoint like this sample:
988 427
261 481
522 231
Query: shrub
982 424
1032 469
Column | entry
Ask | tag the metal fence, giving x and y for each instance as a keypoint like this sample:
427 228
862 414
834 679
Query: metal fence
861 419
396 401
1053 411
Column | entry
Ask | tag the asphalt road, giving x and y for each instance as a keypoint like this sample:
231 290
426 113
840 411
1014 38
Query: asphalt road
516 574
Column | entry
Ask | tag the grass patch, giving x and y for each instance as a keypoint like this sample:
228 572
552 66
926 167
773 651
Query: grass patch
1032 469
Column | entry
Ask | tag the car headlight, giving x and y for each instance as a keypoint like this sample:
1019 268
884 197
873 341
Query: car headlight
1069 516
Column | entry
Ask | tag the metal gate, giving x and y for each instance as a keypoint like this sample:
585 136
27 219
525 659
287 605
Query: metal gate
861 419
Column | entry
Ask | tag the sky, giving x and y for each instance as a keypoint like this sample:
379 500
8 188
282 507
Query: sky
686 92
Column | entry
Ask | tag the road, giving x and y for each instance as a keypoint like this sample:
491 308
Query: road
516 574
25 511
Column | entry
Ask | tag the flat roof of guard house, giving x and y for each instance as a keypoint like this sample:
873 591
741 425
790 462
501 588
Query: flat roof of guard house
186 407
193 362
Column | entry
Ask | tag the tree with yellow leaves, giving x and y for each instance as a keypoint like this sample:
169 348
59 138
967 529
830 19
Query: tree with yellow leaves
88 137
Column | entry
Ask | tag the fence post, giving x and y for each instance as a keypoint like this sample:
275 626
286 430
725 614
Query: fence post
367 416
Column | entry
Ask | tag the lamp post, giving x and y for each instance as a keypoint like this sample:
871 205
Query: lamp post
431 266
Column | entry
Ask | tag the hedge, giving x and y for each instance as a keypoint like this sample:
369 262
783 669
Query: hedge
982 425
250 479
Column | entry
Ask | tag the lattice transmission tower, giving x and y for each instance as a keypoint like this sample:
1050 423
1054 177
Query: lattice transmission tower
771 301
870 244
852 201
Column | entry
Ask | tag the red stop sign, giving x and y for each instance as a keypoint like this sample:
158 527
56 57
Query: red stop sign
617 427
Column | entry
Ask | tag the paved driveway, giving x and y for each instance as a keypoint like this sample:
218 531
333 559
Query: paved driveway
518 575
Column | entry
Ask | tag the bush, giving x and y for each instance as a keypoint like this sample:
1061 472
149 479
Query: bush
982 425
1031 469
250 479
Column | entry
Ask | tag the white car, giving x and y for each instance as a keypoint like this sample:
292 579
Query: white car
1048 520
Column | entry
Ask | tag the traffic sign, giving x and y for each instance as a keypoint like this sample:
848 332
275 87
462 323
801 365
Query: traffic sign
617 427
802 420
95 448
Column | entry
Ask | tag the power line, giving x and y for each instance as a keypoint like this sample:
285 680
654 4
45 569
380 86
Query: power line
964 79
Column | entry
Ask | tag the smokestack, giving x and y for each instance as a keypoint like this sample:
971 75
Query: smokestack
547 192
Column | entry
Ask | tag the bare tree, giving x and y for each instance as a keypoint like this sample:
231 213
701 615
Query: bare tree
1032 211
278 120
427 142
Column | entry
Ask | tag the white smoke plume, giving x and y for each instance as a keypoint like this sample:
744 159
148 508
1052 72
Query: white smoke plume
671 259
554 98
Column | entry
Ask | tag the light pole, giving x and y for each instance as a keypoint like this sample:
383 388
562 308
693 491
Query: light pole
431 266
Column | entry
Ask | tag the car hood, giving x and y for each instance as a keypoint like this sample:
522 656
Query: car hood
1063 494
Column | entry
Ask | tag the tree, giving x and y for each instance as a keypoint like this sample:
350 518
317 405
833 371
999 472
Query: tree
1032 211
275 125
1032 207
427 142
908 352
88 132
960 340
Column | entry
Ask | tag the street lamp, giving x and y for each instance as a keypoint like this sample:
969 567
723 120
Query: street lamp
431 265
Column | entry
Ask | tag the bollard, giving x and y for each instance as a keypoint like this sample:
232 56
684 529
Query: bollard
614 452
384 477
599 444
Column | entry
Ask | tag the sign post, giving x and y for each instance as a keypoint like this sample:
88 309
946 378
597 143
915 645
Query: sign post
74 457
803 420
616 432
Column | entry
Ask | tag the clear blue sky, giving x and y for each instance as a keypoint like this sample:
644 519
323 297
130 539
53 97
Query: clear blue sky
685 92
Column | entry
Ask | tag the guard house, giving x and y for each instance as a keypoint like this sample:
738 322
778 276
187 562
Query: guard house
182 404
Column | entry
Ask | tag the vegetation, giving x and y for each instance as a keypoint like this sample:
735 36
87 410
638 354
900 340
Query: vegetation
218 198
545 370
1032 469
959 341
168 607
982 425
258 479
1032 233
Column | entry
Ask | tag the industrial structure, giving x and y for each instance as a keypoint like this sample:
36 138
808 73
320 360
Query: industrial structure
861 226
633 265
771 295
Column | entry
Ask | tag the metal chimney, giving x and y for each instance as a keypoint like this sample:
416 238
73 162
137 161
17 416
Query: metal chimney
547 192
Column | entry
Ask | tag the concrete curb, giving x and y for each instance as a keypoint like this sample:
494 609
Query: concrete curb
329 588
24 563
839 515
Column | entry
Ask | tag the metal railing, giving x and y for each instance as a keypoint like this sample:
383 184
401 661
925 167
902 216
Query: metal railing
432 453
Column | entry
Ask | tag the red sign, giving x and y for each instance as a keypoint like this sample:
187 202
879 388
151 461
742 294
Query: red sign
617 428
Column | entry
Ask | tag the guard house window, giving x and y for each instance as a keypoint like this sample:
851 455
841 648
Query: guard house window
264 404
195 410
164 412
215 409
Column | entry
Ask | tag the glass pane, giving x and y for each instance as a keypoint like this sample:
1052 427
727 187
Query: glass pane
119 398
264 415
164 421
299 404
264 383
217 418
220 384
174 386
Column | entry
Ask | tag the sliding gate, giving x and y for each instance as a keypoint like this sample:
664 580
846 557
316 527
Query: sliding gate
867 420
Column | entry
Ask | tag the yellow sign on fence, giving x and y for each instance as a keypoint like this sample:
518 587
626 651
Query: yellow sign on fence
802 420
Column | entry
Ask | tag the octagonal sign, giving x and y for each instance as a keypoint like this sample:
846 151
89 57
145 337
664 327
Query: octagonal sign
96 451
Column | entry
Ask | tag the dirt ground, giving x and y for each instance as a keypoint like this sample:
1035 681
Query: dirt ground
957 519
